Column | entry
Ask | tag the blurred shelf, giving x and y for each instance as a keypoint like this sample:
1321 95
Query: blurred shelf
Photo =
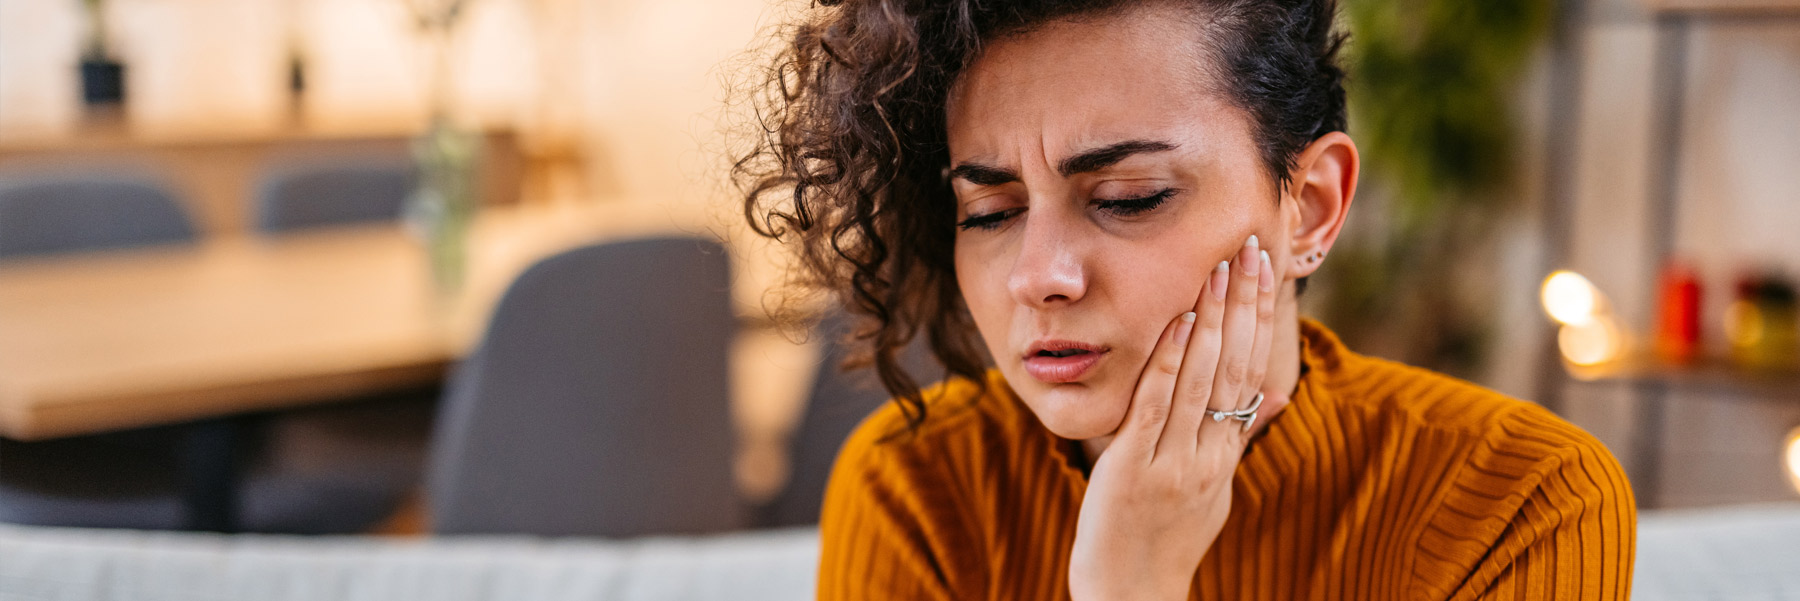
1726 7
217 172
1712 372
114 133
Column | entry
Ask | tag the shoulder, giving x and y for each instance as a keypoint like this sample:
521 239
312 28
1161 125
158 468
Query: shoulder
951 407
1493 451
1500 479
1443 407
920 501
1510 445
1499 451
964 420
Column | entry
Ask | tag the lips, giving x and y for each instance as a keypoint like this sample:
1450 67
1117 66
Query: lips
1061 361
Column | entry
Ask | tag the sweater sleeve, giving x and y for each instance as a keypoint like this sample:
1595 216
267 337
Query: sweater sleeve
1574 536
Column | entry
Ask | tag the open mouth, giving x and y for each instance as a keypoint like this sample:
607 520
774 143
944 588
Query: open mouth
1061 361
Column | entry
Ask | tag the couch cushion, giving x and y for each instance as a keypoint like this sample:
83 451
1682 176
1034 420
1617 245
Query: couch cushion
75 564
1740 553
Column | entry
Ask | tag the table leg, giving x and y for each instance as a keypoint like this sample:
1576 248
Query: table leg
210 474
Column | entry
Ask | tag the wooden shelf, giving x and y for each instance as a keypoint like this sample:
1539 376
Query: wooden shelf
1726 7
217 174
111 133
1714 372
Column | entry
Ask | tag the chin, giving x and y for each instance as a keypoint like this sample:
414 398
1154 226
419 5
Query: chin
1076 411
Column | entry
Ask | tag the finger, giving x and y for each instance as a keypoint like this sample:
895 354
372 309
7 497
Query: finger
1149 411
1265 326
1201 360
1239 335
1265 335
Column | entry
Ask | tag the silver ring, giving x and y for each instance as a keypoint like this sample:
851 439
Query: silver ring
1246 415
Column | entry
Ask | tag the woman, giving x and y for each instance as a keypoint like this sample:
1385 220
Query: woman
1123 200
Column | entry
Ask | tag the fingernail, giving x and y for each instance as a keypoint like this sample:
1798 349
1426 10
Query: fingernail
1184 329
1265 277
1250 246
1219 278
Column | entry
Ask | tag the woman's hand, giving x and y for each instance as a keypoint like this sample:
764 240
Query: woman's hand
1161 491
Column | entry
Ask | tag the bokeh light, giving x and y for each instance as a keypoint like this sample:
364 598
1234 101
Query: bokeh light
1570 299
1743 324
1592 343
1790 458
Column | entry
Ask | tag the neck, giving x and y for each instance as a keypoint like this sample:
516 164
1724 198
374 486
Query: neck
1281 378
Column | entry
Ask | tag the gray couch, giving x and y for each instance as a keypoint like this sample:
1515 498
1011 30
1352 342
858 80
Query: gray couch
1737 553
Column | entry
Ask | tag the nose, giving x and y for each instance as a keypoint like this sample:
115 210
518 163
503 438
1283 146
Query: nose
1049 267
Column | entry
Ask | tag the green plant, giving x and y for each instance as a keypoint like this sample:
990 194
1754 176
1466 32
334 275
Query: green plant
1431 88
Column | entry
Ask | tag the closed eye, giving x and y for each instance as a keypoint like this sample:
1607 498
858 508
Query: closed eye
987 221
1122 207
1127 207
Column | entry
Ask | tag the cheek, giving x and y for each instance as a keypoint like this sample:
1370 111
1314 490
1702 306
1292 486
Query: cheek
983 288
1153 287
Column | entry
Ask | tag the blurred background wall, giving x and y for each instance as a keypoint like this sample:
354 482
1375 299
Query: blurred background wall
611 99
634 86
1734 212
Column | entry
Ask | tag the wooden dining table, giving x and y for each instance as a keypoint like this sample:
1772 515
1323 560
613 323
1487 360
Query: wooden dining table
103 341
201 336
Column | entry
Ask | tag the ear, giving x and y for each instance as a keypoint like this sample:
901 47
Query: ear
1323 183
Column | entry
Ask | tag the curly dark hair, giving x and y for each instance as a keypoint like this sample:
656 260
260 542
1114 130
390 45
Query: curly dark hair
849 162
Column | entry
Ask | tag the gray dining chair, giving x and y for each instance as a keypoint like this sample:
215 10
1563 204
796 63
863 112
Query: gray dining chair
126 479
54 214
598 402
311 195
838 401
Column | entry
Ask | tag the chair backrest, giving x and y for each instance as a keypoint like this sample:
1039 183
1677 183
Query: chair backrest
598 403
305 196
837 404
72 213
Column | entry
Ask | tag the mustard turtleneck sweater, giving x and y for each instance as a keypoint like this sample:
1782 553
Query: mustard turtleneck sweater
1379 481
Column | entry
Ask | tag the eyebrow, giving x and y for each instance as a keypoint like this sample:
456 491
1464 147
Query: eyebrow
1086 162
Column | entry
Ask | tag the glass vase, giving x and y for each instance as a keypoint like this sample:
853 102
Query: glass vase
442 205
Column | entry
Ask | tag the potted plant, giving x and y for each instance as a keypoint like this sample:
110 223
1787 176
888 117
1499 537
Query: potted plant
1432 85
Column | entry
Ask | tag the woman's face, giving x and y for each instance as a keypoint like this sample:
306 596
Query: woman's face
1099 178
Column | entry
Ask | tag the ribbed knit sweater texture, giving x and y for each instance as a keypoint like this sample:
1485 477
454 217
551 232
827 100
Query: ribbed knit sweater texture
1379 481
